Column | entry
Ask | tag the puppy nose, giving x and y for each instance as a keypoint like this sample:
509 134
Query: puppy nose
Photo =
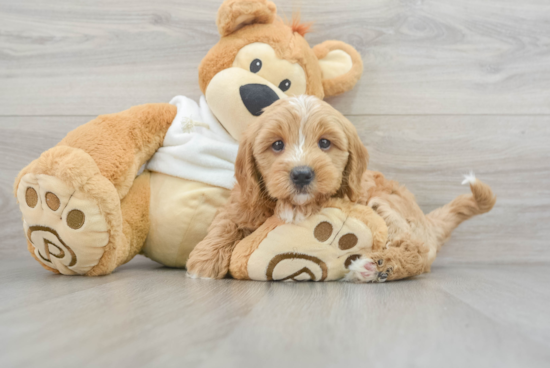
256 97
302 175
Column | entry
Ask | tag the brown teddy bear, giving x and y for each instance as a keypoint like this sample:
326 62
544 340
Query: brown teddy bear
88 206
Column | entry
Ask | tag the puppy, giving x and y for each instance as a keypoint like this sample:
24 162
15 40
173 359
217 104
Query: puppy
296 156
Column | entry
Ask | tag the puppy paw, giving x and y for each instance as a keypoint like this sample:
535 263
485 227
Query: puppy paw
368 270
362 270
203 267
385 269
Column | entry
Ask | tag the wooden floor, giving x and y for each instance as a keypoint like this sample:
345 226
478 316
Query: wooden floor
146 315
449 86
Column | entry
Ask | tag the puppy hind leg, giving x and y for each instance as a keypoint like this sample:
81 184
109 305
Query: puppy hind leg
394 220
402 258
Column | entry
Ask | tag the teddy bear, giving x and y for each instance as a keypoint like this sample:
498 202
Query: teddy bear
149 180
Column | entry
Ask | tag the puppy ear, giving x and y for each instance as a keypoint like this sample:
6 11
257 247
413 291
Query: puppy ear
235 14
247 174
341 66
357 164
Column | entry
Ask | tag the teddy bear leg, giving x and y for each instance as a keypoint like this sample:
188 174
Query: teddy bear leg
135 219
71 196
71 213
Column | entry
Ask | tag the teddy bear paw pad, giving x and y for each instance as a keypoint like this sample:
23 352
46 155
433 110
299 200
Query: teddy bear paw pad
66 229
321 248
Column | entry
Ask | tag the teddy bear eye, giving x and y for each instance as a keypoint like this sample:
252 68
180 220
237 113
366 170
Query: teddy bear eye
284 85
278 146
324 144
255 65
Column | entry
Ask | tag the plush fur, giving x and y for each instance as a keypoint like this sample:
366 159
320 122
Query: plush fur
342 83
131 136
265 189
235 14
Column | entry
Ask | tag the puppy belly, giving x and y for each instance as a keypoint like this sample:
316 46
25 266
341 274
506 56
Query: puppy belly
180 213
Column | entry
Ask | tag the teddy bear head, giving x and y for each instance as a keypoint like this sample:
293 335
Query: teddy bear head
261 59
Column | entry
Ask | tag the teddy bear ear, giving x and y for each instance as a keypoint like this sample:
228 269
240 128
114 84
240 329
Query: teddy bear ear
341 66
235 14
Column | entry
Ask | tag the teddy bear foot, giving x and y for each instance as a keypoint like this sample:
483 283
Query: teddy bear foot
331 245
66 224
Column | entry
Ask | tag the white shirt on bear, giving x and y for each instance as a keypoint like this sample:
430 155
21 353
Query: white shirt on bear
196 146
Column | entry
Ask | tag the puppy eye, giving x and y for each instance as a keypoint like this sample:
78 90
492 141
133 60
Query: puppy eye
284 85
324 144
278 146
255 65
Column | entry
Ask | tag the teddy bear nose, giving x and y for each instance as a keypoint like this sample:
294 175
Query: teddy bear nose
256 97
302 175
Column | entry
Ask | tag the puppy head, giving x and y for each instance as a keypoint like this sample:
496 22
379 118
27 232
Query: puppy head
300 151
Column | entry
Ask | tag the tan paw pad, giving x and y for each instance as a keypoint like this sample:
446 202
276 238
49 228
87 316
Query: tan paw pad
66 229
321 248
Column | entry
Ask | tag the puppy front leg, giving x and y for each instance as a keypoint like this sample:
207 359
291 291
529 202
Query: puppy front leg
211 257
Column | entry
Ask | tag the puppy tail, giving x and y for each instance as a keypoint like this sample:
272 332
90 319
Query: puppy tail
447 218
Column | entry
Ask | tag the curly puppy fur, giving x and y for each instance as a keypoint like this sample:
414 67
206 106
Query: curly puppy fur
293 133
